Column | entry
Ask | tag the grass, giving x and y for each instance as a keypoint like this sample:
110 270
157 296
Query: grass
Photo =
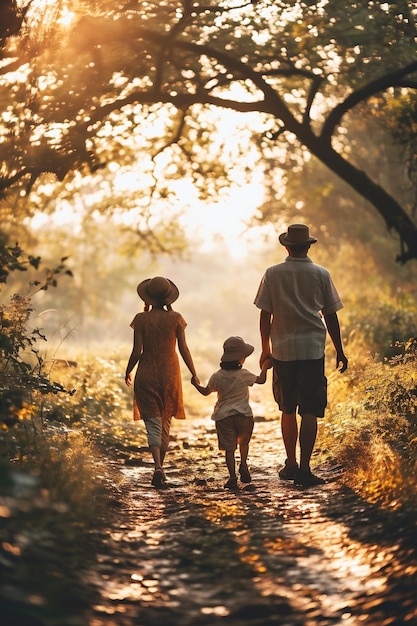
61 474
372 415
371 426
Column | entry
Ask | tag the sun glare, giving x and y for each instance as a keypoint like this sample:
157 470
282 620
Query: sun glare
224 222
67 17
50 11
211 224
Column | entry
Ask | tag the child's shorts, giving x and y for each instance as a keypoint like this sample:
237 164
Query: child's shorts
234 430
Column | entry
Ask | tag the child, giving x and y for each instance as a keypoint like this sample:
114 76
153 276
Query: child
232 413
158 390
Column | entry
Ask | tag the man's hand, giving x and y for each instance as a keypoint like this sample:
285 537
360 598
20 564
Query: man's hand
341 362
265 356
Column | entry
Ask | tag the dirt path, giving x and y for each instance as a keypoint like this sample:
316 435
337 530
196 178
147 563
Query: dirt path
197 554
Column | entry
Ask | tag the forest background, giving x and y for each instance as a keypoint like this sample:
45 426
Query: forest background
180 139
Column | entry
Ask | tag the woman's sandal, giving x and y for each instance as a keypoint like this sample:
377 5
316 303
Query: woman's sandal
158 479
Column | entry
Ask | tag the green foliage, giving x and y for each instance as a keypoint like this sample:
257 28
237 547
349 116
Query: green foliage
21 373
372 427
101 394
53 495
14 259
388 325
123 84
55 492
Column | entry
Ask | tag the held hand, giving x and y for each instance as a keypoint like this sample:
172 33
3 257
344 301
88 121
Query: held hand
341 361
195 380
267 364
265 356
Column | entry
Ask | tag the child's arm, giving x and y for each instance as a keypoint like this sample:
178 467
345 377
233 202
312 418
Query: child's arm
266 365
205 391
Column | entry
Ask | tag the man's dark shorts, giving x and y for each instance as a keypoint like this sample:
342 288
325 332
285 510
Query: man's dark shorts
302 385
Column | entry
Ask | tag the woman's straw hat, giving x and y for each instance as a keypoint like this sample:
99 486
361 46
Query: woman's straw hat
158 290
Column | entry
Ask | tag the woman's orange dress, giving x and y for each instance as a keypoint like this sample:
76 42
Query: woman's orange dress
158 386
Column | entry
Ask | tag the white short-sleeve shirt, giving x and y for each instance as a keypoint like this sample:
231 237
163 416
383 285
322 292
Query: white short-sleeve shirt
232 388
297 293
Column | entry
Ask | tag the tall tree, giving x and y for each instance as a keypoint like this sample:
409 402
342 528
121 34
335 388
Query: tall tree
91 72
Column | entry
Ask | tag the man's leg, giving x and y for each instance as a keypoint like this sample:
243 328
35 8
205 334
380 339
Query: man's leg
244 451
289 430
308 435
284 385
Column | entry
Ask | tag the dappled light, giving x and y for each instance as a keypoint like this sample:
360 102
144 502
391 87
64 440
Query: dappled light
198 550
272 540
179 139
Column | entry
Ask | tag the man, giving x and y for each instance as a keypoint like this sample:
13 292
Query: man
294 297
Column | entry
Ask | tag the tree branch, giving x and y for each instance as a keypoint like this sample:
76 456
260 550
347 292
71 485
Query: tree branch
393 79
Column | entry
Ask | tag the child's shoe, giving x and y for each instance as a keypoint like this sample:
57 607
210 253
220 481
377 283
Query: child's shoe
231 484
245 476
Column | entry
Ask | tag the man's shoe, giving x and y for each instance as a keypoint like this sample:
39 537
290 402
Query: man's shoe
245 476
306 478
231 484
288 473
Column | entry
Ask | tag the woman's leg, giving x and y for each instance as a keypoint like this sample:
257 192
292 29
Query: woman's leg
156 455
165 436
154 433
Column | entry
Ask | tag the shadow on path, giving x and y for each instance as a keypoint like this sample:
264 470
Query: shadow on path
197 554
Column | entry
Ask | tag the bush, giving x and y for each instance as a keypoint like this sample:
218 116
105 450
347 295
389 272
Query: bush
373 432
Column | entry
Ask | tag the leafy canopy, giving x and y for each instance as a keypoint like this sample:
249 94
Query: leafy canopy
87 77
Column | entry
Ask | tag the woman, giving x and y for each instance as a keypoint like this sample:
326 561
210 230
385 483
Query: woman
157 385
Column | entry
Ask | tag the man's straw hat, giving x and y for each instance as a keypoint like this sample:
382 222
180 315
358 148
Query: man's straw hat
297 234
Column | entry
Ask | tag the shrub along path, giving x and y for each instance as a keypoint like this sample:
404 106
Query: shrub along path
197 554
